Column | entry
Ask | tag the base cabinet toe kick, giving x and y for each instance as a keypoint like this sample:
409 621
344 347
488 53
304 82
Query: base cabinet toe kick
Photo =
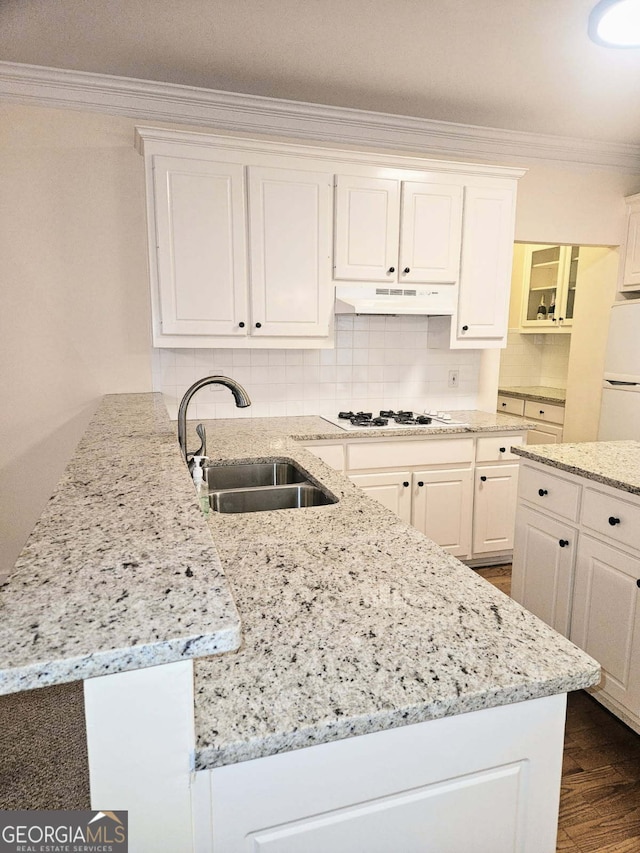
576 565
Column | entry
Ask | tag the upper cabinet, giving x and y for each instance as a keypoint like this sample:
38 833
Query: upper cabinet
199 261
246 238
485 271
549 288
398 232
630 266
239 247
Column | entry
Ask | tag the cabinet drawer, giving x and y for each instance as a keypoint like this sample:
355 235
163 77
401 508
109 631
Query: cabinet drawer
332 454
496 448
556 495
612 517
544 412
400 454
510 405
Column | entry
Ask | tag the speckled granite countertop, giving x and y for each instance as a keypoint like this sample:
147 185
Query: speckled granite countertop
539 393
120 571
613 463
354 622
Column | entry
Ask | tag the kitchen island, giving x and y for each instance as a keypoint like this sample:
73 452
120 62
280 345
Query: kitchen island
373 666
576 561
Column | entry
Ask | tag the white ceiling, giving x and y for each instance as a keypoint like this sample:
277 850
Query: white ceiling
523 65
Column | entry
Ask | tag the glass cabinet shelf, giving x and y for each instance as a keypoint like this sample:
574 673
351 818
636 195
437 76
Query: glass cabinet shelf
549 287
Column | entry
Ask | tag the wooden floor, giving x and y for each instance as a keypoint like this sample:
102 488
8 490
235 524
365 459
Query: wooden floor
600 798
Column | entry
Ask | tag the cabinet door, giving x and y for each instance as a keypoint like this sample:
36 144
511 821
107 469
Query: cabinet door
367 227
201 252
542 574
545 434
631 270
442 508
430 232
392 490
485 274
606 617
290 252
494 507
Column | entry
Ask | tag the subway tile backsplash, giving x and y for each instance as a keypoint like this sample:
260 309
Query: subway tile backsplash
377 362
535 360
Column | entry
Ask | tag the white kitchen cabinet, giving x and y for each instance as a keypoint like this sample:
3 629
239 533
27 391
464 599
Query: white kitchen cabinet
289 252
332 454
630 266
494 507
238 253
483 301
429 482
576 565
395 231
199 260
486 781
392 489
443 507
548 418
239 245
543 562
549 288
606 618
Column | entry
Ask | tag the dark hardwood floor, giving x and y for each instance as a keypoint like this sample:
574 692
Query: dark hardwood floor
600 797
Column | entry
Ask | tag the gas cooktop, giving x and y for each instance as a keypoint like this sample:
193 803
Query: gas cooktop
389 419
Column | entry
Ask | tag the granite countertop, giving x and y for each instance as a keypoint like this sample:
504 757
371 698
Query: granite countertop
539 393
613 463
352 621
120 571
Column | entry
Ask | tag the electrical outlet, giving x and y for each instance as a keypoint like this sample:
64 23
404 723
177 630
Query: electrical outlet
453 379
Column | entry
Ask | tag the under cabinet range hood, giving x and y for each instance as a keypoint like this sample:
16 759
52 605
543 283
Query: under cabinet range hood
433 299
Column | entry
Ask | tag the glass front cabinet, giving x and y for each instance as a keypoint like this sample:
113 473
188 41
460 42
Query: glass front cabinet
550 276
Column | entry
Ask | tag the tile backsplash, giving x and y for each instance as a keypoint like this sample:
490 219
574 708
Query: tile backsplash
535 360
377 362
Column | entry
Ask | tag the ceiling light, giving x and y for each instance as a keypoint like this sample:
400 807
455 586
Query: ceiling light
615 23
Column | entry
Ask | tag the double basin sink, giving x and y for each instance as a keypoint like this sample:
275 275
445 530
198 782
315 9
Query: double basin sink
262 486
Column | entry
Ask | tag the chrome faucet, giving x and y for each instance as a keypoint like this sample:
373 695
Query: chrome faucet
240 395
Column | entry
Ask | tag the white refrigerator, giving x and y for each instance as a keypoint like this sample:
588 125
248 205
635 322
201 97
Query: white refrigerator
620 410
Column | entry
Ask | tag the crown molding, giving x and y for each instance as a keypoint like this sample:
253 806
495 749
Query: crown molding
169 102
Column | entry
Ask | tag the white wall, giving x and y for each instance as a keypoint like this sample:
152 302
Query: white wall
74 312
578 206
74 300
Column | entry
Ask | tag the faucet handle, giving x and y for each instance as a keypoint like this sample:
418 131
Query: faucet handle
202 434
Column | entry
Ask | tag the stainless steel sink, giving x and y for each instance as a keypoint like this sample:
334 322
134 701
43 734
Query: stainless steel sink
265 498
253 474
262 486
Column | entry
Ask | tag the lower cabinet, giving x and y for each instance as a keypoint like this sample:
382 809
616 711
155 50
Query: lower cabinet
548 418
581 574
459 491
393 490
606 617
542 575
486 781
438 503
494 507
443 506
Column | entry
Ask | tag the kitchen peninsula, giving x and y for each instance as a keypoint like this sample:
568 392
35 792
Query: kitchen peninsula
380 685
